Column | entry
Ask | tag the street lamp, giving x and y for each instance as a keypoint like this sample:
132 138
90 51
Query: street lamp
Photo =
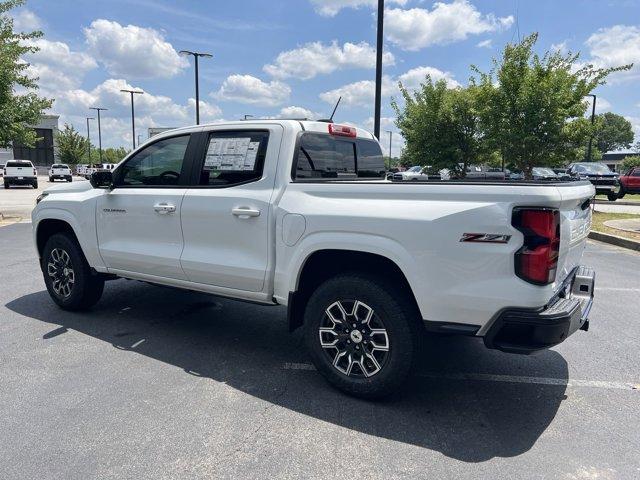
196 55
99 109
247 116
593 120
89 138
379 47
133 121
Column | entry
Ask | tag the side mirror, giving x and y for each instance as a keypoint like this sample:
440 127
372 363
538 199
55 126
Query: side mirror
101 179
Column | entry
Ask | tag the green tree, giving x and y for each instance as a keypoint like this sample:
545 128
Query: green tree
440 126
72 147
17 110
629 162
613 132
527 102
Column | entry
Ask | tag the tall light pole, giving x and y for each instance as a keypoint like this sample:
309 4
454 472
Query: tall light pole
593 120
390 142
379 47
89 138
196 55
133 119
99 109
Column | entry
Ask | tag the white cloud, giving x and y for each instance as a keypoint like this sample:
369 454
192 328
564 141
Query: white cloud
316 58
151 110
57 66
330 8
363 93
485 43
414 77
26 21
132 51
616 46
418 28
359 93
561 47
253 91
298 112
635 123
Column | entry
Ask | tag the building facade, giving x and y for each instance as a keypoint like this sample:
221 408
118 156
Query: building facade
44 153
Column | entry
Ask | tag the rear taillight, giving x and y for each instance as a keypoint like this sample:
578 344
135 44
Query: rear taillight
537 260
35 172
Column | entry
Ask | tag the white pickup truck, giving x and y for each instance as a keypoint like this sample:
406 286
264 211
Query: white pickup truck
295 213
20 172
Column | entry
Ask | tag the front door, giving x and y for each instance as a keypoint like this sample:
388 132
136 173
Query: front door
138 221
226 214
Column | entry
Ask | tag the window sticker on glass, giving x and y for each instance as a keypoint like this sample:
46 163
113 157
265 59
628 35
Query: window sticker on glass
231 154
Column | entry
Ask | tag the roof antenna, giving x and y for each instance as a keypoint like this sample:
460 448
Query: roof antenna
330 120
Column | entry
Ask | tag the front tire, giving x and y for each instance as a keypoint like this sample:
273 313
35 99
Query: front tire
35 184
612 196
374 358
6 184
67 275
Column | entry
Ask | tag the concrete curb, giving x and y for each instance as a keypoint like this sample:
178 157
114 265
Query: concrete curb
617 202
615 240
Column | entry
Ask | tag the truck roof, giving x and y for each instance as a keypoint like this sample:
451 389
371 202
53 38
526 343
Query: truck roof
300 124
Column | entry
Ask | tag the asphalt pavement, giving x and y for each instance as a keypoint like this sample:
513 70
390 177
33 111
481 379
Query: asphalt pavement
159 383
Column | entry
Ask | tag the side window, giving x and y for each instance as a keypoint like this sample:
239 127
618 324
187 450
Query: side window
636 172
159 164
234 157
324 156
370 159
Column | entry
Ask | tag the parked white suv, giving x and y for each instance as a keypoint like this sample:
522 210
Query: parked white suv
60 171
20 172
295 213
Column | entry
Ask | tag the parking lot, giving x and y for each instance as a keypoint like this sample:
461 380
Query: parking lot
158 383
18 201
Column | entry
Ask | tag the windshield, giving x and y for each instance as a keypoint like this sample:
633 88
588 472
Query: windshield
416 169
543 172
593 168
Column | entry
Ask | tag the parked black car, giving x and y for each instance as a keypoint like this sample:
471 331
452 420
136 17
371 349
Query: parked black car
600 175
538 173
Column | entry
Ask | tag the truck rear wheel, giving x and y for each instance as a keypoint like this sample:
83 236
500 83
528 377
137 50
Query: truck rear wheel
67 275
363 334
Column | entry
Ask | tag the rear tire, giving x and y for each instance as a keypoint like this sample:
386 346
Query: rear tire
50 180
35 184
392 335
67 275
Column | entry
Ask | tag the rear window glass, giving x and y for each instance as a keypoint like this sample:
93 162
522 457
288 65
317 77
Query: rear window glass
58 165
324 156
327 157
19 164
370 162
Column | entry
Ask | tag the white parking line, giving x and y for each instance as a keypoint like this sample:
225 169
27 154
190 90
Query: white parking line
483 377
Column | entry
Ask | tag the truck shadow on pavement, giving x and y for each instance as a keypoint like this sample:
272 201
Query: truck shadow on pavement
248 347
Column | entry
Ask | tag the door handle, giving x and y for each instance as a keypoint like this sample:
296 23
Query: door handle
245 212
164 208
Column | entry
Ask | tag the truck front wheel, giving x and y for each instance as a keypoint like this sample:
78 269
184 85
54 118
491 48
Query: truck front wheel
363 334
67 275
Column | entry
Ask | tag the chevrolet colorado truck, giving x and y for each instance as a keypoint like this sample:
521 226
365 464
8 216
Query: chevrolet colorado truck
298 213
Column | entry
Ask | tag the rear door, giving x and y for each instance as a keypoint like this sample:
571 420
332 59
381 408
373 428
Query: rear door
138 221
226 212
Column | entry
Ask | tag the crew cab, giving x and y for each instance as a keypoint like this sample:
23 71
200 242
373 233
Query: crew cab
20 172
630 182
60 171
298 213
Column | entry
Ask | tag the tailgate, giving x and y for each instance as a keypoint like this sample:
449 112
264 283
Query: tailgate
575 225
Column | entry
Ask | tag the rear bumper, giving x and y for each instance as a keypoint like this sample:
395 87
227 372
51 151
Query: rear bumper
20 181
528 330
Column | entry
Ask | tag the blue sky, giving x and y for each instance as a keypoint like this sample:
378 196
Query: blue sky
295 57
